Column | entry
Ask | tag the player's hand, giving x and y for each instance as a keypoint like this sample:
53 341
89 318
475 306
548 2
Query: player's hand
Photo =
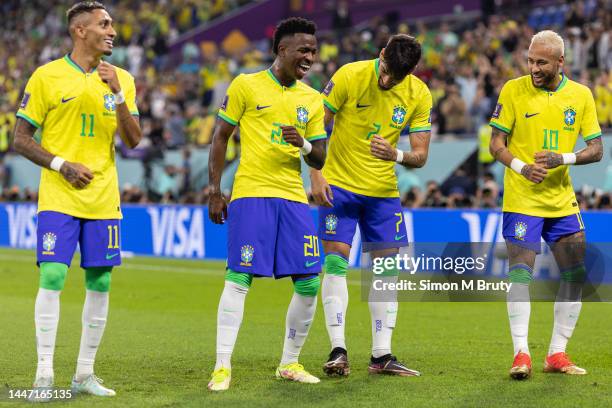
534 173
548 159
76 174
108 74
291 136
217 208
321 191
382 149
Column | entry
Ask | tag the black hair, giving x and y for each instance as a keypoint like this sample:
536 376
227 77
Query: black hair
83 7
402 54
291 26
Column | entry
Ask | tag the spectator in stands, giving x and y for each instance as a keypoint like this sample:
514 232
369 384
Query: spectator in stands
454 110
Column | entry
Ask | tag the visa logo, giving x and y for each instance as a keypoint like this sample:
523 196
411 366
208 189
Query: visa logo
177 231
22 225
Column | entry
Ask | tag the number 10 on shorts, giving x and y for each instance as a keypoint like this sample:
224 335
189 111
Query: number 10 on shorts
113 236
311 246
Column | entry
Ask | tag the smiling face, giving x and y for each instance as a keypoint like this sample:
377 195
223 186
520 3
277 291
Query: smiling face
296 54
544 65
96 30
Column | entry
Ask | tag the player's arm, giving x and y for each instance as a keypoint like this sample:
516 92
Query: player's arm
217 206
593 152
23 143
129 128
415 158
321 191
499 150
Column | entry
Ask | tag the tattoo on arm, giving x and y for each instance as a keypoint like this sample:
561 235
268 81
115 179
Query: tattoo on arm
24 144
592 153
419 144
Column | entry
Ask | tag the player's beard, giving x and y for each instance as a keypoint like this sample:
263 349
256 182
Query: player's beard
547 79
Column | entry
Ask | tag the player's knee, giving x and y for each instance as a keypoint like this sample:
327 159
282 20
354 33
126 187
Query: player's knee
52 275
307 287
575 274
240 278
336 264
98 279
520 273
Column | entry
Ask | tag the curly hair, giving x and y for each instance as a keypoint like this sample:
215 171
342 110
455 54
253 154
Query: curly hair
291 26
402 54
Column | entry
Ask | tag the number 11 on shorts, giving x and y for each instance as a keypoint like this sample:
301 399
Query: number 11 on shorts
113 236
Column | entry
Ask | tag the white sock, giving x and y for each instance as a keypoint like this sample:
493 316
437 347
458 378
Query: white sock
383 313
299 319
229 318
335 302
46 318
95 312
567 311
519 309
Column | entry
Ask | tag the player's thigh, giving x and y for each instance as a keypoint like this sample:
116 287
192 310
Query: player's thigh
252 227
57 235
100 243
523 235
338 223
336 247
297 243
566 238
382 224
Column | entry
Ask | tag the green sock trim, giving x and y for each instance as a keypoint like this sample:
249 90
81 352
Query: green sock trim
520 275
241 278
576 274
307 287
52 275
335 265
98 279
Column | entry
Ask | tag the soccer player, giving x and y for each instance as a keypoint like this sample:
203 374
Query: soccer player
535 126
79 102
370 103
270 229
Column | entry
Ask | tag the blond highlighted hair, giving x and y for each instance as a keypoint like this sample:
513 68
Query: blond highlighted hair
550 39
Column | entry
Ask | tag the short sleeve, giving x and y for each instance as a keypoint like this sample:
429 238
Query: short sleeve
503 116
589 126
234 103
421 117
315 129
34 104
335 92
130 97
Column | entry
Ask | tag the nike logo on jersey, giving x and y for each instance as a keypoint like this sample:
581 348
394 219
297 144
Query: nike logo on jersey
111 256
527 115
263 107
64 100
362 106
309 264
398 237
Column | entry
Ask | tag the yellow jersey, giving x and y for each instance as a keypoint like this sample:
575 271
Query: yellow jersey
260 105
535 120
75 111
362 110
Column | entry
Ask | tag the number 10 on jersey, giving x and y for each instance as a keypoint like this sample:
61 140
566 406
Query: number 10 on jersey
551 139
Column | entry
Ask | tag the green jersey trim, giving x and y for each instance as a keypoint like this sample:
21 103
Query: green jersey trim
330 106
420 129
74 65
591 137
500 127
28 119
376 64
227 118
271 74
316 137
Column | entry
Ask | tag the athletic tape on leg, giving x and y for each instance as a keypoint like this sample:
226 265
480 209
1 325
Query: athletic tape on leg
52 275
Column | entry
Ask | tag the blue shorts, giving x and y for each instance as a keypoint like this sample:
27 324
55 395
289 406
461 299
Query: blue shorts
527 231
381 220
271 237
57 236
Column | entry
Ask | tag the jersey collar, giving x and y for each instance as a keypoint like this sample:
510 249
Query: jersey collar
559 87
76 66
271 74
376 64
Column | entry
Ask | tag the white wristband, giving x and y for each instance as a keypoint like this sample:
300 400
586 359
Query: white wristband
400 156
56 163
306 148
119 98
569 158
517 165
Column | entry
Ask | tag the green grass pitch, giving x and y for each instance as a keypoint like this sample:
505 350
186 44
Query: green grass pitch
159 346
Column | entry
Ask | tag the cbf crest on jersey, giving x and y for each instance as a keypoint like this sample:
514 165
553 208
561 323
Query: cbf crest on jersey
302 114
48 243
520 230
109 102
331 223
569 116
398 117
246 255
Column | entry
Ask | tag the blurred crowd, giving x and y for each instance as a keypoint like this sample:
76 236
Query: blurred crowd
465 63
